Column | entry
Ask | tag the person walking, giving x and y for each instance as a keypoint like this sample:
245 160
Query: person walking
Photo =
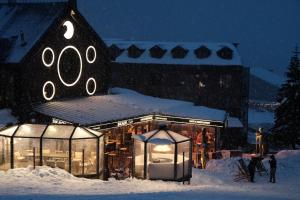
273 165
251 169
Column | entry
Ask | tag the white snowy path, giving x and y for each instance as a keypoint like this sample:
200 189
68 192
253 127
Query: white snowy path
214 183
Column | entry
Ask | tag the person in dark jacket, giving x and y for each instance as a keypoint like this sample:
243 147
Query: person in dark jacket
273 165
251 169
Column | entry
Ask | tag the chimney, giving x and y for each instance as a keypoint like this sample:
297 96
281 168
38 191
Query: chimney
22 38
235 44
73 4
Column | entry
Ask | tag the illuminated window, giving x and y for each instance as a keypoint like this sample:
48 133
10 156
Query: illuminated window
48 57
91 54
48 91
91 86
69 68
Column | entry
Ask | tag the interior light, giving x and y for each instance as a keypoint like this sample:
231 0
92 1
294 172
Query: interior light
162 148
58 66
70 30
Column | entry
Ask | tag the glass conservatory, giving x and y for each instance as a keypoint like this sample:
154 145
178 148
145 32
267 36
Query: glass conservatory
162 155
75 149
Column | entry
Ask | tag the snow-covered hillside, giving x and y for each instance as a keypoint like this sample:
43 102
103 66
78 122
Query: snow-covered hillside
266 30
214 183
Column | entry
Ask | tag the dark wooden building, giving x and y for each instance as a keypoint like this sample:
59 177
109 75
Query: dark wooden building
207 74
48 51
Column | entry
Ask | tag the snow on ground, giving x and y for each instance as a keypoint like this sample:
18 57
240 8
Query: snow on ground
257 118
214 183
6 117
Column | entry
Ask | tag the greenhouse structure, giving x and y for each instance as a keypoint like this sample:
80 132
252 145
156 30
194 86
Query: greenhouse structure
76 149
162 155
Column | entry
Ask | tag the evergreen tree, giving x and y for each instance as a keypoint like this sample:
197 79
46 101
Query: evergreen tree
287 115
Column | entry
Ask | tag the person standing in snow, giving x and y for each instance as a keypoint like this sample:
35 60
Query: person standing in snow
251 169
273 165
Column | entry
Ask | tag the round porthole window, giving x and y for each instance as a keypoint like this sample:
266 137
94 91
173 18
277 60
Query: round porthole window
91 86
69 66
48 57
91 54
48 90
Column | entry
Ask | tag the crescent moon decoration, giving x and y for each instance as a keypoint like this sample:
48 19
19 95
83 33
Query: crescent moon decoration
70 30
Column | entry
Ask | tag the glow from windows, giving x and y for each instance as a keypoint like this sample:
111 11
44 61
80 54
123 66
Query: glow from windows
45 94
58 66
43 57
91 80
90 48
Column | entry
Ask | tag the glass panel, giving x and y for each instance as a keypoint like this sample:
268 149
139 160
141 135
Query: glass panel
30 130
81 133
9 131
97 133
101 156
56 153
59 131
177 137
4 153
183 148
161 161
149 134
26 152
162 135
84 156
139 150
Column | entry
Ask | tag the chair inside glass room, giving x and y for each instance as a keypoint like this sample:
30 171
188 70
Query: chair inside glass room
163 155
75 149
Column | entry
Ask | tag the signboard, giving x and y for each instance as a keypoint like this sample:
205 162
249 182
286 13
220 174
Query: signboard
157 118
59 121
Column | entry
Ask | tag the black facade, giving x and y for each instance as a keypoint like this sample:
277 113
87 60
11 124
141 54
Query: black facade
68 60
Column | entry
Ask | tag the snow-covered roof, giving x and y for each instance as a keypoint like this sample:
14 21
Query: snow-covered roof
6 117
268 76
32 19
189 59
234 122
124 104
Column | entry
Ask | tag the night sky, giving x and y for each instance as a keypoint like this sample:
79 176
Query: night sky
267 30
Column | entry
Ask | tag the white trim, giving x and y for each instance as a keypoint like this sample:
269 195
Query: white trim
87 86
44 92
86 54
58 66
43 57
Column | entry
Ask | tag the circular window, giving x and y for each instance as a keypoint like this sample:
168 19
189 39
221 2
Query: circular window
48 90
48 57
91 86
69 66
91 54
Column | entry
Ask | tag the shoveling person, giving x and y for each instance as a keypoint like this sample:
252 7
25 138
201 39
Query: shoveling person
273 165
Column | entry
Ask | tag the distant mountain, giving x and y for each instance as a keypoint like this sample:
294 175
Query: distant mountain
267 30
264 84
